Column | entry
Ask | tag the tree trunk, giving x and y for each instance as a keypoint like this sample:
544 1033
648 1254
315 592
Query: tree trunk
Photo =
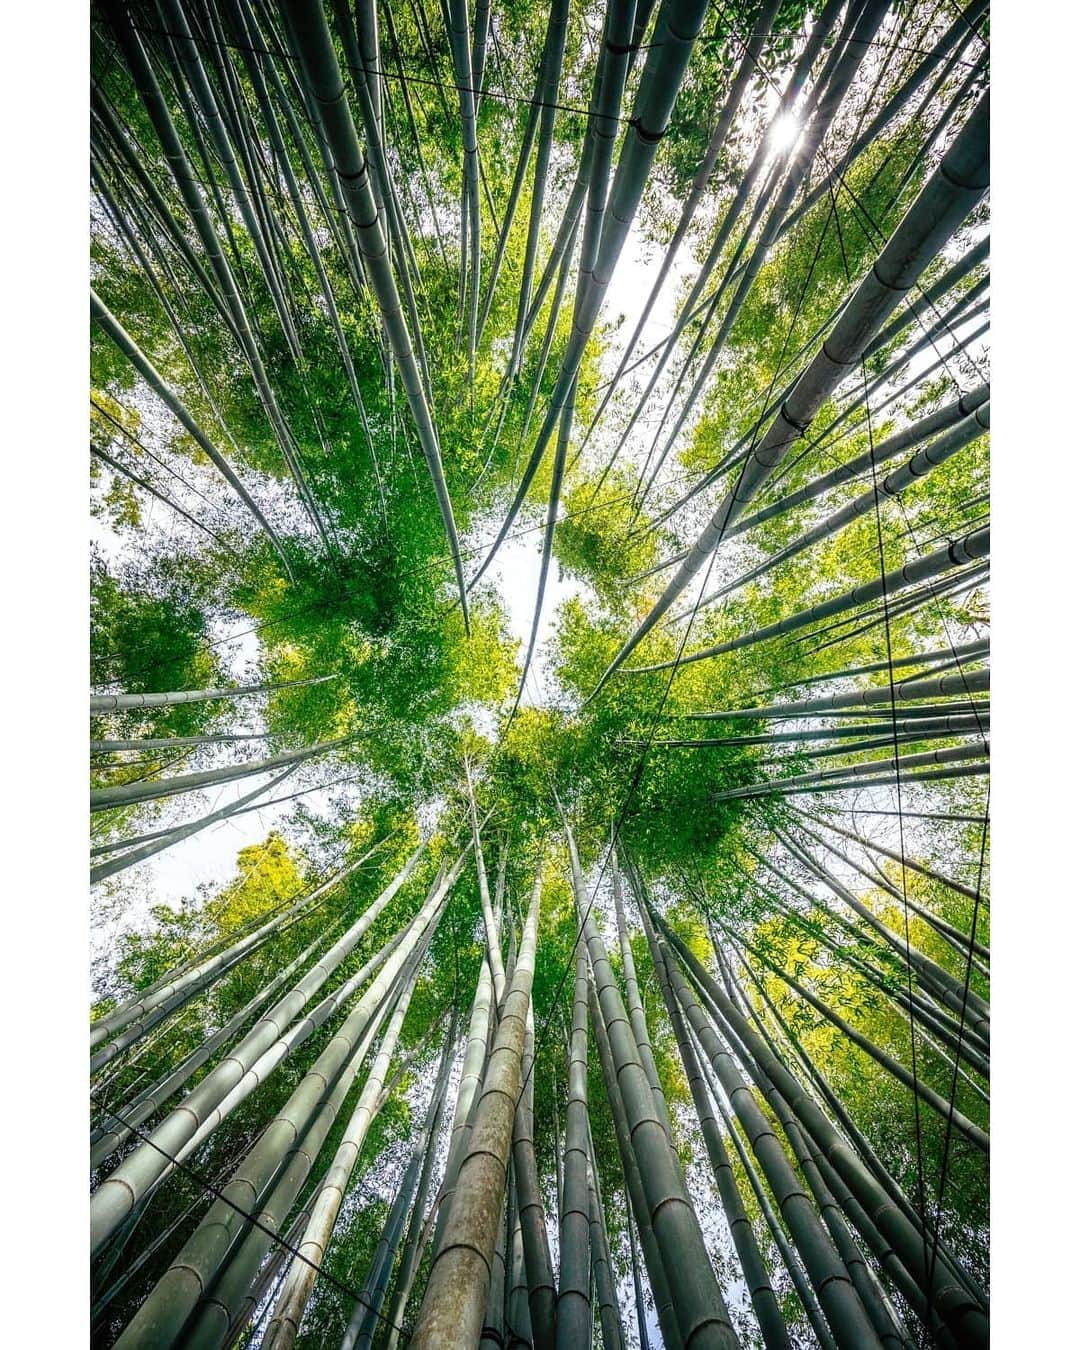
161 1318
700 1311
962 1313
956 187
574 1314
119 1193
452 1311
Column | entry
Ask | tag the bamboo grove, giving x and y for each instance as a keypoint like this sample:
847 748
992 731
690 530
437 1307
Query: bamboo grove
539 674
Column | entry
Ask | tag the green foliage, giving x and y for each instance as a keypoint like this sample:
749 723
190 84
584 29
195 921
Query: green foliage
416 696
149 633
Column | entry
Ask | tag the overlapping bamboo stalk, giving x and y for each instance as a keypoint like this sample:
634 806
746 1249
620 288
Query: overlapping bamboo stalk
856 1238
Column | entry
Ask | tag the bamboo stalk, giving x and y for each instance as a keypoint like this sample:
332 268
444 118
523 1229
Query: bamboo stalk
119 1193
839 1301
124 343
105 703
759 1286
962 1313
125 794
956 187
323 77
300 1277
700 1311
452 1311
574 1311
160 1320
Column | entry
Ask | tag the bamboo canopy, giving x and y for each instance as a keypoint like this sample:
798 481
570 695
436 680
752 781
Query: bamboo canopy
483 397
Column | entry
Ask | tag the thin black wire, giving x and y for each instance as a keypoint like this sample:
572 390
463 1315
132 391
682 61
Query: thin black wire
974 31
639 767
919 1160
385 75
963 1011
258 806
235 934
924 815
125 431
349 592
857 42
832 172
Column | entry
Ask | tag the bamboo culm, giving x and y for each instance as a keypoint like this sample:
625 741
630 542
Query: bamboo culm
300 1277
639 1205
550 73
788 1256
958 886
322 75
955 189
199 973
187 183
947 930
125 794
971 547
126 344
411 1252
825 100
937 452
106 703
869 1292
700 1311
944 986
602 1271
967 1129
852 772
899 691
452 1312
182 832
678 23
472 1072
536 1251
762 1296
106 1141
962 1313
574 1312
180 986
119 1193
890 1262
891 447
161 1318
839 1301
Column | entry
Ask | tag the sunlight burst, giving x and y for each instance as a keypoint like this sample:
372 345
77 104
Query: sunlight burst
786 131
